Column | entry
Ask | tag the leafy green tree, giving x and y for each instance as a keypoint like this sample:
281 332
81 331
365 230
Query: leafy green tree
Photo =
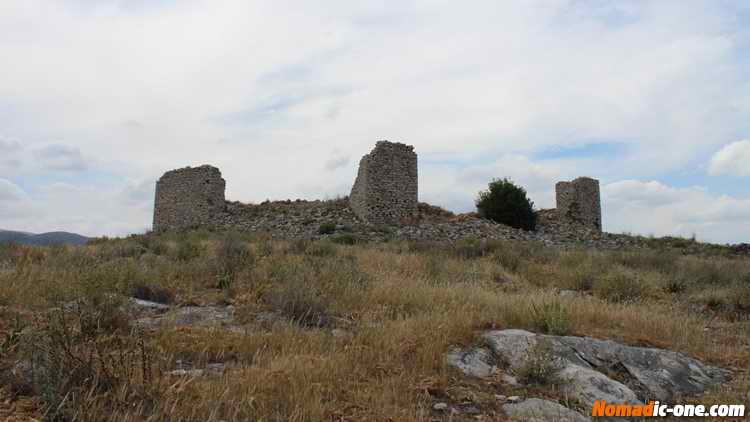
506 203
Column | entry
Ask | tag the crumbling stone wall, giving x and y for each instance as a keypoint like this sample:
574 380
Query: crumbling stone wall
386 189
189 197
578 201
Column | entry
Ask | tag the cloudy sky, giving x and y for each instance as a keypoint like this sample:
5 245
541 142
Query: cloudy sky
99 97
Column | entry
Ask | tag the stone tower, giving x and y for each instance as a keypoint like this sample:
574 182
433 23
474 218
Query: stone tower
579 201
188 197
385 191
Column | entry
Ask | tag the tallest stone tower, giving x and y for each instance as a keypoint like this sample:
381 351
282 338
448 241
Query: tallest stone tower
386 188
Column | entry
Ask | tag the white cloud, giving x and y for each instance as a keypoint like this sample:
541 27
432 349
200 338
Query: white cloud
14 202
336 163
456 186
10 192
60 157
9 147
654 208
733 159
86 209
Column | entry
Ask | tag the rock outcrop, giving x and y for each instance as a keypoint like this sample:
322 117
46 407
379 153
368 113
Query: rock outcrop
587 367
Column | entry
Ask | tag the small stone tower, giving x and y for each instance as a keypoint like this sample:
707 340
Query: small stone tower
189 197
386 191
579 201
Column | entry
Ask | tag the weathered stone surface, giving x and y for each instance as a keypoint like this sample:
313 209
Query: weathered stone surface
188 197
203 316
646 373
140 304
538 410
386 188
476 362
199 316
588 385
185 369
662 373
579 201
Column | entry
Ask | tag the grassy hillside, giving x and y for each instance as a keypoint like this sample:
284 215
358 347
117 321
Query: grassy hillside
322 331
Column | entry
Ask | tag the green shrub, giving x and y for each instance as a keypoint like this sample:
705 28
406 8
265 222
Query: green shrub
327 228
344 239
506 203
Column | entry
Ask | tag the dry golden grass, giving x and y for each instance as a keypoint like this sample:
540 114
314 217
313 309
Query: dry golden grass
400 305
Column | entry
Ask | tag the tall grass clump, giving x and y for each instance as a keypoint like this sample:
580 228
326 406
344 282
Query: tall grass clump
620 285
85 349
232 256
551 317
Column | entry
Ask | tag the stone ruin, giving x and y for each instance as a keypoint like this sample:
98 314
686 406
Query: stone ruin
386 188
385 192
189 197
578 201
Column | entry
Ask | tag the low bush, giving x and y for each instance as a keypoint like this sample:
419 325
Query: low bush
540 367
327 228
506 203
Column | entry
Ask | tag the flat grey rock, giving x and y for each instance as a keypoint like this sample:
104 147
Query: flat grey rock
477 362
538 410
202 316
586 364
146 304
588 385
